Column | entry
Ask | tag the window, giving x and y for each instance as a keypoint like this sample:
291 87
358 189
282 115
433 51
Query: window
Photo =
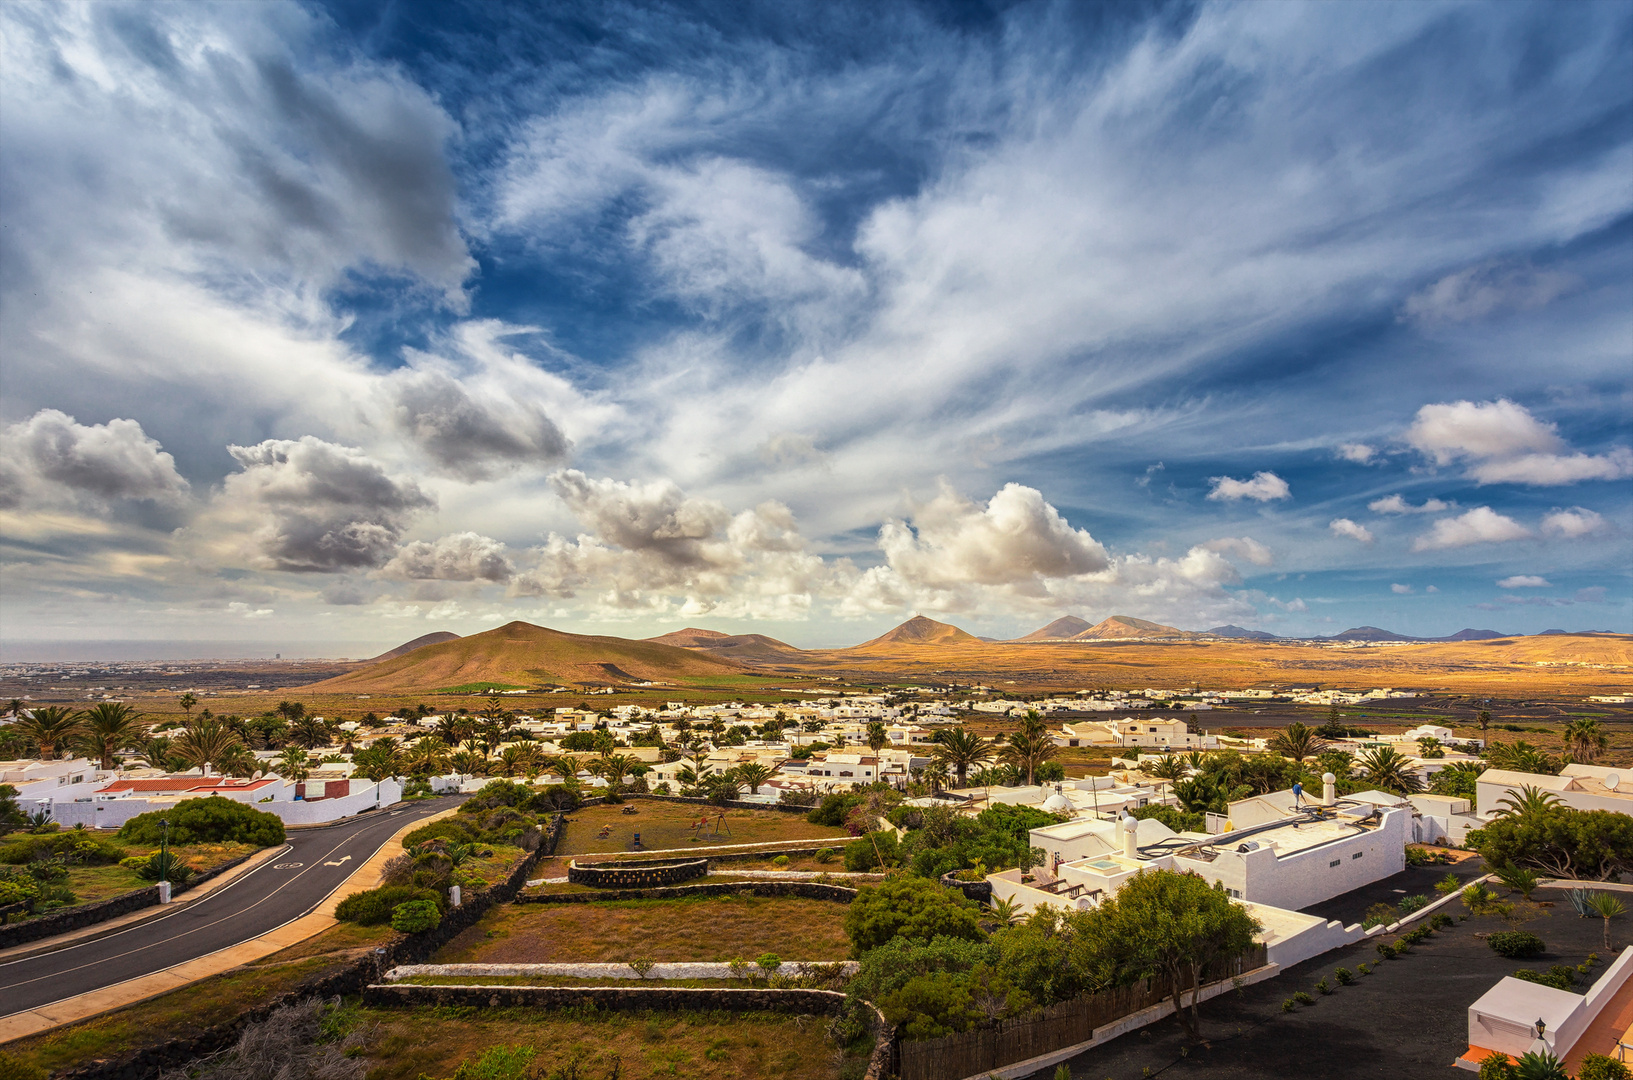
1335 862
1357 855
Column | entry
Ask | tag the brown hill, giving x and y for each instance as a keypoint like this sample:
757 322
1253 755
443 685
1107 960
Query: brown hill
1067 627
744 648
521 654
921 631
434 638
1123 628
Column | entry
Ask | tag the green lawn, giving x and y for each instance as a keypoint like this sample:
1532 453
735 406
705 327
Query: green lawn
672 825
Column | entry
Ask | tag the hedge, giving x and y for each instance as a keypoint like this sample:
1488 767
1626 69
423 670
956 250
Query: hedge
373 907
209 820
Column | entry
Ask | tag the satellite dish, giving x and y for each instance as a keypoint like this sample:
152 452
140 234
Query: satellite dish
1613 780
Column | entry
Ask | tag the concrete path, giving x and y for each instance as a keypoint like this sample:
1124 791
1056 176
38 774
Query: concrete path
275 905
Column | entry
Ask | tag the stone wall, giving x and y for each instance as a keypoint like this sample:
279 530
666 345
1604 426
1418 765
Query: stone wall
83 915
810 890
615 998
979 891
637 875
734 804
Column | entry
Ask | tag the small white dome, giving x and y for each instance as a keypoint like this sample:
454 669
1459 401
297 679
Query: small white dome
1328 778
1057 803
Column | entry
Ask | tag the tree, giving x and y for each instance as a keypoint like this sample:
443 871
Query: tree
187 701
909 907
1607 907
1484 720
291 711
1459 779
613 768
1026 751
878 738
49 727
1585 739
1298 742
294 765
109 728
1341 763
308 732
205 742
1168 767
378 762
752 774
1527 801
237 761
1521 756
960 749
1387 769
1169 926
429 756
1561 842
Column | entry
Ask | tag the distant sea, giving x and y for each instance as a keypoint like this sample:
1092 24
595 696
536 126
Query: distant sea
56 652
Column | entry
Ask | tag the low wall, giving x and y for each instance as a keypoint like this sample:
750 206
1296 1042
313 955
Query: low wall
734 804
979 891
83 915
616 998
809 890
637 875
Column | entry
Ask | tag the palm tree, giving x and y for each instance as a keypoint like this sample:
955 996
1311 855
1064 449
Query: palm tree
468 763
613 768
563 765
49 727
1585 739
294 765
1027 751
1607 907
1528 802
308 732
1385 768
290 710
1168 767
960 749
1298 742
379 761
877 737
753 774
237 761
1484 720
187 701
204 742
1521 756
1341 763
109 728
429 755
1005 912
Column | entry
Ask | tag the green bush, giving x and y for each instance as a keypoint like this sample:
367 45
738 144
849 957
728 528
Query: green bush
500 1063
825 855
865 853
1173 817
780 861
1409 904
459 832
496 793
914 908
212 820
1439 920
1496 1066
1344 976
1600 1067
1516 944
1303 998
373 907
416 916
834 809
72 845
1559 977
15 1068
164 867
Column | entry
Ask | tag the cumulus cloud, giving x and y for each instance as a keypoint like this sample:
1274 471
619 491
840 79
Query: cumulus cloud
1394 504
1570 524
1016 540
51 457
1263 487
319 507
465 556
245 611
1401 590
1481 525
1524 581
1243 547
1483 290
470 435
1346 527
1500 442
1360 453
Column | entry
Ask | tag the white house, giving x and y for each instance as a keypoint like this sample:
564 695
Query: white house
1581 787
1505 1017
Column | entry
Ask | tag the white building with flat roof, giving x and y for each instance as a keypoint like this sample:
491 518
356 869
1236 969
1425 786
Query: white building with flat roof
1581 787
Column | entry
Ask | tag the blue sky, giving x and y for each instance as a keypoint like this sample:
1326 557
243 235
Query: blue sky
346 322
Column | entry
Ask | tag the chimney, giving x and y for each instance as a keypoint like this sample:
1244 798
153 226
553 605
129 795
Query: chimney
1130 838
1329 789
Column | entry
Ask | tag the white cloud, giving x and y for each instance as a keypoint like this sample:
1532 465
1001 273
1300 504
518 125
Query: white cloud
1243 547
1401 590
465 556
1264 487
1432 589
1575 522
314 506
1483 290
50 458
1524 581
1481 525
243 610
1346 527
1500 442
1360 453
1394 504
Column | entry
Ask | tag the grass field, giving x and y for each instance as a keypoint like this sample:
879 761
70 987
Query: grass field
633 1046
94 883
718 928
669 825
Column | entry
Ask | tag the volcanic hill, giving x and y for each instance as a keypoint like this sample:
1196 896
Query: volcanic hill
920 631
744 648
1067 627
1124 627
436 637
523 655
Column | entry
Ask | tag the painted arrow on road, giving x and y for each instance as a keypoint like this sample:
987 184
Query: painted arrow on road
343 859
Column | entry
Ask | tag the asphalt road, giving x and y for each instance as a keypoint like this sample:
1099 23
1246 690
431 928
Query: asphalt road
278 891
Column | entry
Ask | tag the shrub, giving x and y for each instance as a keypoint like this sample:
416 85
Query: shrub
1303 998
373 907
1322 987
1516 944
1344 976
1409 904
875 851
501 1063
825 855
1496 1067
163 867
1560 977
1173 817
834 809
451 829
1289 1005
1386 951
1364 969
910 907
213 820
1439 920
416 916
1448 885
768 963
1379 915
1600 1067
71 845
780 861
641 967
1539 1065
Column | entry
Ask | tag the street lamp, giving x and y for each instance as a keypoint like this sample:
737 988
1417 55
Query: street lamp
164 850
